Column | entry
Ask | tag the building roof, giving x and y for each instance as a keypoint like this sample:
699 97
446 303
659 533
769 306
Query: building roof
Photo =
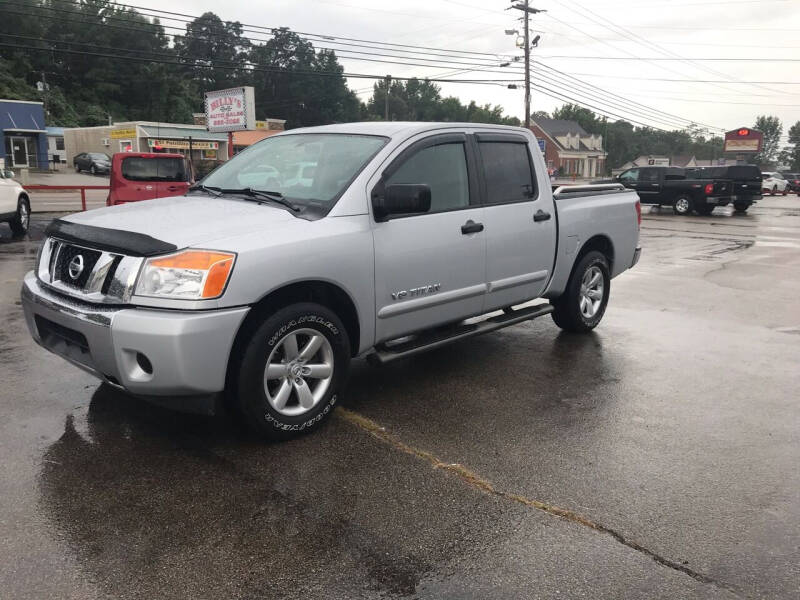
560 127
250 137
171 132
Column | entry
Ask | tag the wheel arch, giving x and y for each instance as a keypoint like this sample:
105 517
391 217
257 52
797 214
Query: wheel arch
319 291
600 242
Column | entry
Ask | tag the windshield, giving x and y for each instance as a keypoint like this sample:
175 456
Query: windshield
96 156
313 167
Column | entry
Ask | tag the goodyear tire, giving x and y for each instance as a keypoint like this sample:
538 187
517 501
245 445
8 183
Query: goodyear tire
582 305
291 371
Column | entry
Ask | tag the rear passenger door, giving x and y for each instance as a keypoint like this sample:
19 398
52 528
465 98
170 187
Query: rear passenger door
136 181
172 177
430 267
520 221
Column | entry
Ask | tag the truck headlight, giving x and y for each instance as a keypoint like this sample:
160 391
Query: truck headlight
189 275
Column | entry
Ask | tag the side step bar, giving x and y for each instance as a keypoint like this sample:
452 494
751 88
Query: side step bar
385 353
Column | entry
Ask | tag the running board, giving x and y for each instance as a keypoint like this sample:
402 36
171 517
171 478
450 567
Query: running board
429 340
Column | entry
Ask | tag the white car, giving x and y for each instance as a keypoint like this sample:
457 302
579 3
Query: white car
15 205
773 183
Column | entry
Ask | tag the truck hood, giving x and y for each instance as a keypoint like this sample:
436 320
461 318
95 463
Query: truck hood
188 220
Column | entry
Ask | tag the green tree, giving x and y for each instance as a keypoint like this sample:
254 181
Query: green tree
772 129
791 155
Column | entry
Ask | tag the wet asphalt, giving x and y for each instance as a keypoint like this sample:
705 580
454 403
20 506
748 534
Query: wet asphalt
657 457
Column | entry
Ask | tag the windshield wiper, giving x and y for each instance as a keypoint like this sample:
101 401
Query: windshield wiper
213 191
276 197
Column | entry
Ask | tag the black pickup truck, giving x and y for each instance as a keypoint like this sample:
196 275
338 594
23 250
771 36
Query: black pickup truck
678 188
745 182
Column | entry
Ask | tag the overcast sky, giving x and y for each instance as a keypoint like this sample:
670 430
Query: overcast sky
690 29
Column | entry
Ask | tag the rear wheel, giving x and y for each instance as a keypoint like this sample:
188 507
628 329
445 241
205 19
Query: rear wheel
682 206
92 170
774 190
291 371
740 207
21 222
582 305
785 190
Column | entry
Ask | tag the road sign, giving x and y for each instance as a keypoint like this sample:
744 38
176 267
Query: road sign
121 134
743 140
233 109
541 145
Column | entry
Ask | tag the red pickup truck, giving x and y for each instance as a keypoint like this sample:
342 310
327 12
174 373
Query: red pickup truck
139 176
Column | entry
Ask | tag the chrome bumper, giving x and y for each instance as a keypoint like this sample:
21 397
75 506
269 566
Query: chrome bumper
187 351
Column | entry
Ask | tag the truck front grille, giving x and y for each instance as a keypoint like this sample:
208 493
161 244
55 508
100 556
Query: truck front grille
89 274
74 265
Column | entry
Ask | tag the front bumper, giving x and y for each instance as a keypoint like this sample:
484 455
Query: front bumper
187 351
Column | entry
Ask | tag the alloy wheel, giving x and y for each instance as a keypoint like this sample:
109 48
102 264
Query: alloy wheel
591 295
299 371
24 215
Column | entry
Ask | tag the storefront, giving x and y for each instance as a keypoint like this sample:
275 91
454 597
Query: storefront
23 137
144 136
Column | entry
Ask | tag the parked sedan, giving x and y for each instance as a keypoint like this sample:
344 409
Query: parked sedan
794 181
94 162
773 182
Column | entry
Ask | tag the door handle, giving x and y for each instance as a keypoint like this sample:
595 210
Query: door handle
541 216
471 227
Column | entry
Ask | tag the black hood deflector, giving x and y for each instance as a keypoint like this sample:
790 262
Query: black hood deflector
110 240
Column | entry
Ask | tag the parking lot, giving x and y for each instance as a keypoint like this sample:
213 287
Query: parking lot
654 458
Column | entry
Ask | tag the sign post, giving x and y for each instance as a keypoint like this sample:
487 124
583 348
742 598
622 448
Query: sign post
230 110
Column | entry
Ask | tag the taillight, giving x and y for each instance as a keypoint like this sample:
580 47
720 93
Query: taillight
639 214
709 189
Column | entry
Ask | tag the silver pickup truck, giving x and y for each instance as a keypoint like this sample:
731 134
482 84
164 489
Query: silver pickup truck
397 238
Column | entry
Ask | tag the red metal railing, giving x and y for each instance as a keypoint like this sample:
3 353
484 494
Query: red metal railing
82 188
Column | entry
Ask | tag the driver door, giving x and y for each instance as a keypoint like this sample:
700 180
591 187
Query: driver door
430 268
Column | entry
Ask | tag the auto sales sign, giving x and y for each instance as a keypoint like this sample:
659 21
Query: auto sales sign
233 109
743 140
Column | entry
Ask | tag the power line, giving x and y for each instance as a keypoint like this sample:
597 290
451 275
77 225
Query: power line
255 68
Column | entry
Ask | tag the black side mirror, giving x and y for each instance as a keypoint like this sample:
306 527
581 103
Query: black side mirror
401 199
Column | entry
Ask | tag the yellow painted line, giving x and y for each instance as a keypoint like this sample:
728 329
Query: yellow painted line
476 481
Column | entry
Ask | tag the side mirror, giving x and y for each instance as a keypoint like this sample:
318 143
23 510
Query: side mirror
401 199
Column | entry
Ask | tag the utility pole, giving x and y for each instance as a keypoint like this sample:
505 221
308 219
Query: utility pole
386 98
524 6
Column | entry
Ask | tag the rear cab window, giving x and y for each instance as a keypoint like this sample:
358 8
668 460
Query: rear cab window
136 168
508 172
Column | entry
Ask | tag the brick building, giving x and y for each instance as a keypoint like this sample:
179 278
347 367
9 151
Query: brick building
569 150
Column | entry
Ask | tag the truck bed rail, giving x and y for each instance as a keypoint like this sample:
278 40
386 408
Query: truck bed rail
577 191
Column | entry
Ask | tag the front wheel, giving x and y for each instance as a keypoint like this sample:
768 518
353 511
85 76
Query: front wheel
21 222
92 170
785 190
774 190
582 305
682 206
291 371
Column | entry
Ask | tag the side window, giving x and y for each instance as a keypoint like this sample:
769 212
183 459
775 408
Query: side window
443 168
630 176
508 173
648 175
